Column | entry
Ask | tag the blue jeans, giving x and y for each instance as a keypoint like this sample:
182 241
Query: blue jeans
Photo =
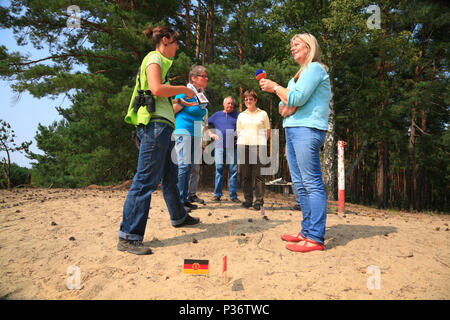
226 158
302 150
154 166
295 192
189 150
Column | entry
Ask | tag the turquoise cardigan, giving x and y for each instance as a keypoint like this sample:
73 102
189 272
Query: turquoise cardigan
311 94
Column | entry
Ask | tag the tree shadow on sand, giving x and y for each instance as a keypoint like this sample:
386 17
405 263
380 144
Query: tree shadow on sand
341 234
216 230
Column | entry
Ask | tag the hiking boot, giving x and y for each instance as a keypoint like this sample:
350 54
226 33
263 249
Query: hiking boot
133 246
189 205
257 206
194 198
246 204
236 200
189 221
215 199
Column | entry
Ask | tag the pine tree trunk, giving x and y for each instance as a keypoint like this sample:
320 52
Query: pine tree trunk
423 197
187 6
210 32
197 30
208 46
383 175
354 174
8 170
422 188
412 175
241 53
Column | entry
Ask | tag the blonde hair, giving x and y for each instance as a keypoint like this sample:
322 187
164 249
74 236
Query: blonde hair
314 51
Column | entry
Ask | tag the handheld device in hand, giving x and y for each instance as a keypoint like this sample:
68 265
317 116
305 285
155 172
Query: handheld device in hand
260 74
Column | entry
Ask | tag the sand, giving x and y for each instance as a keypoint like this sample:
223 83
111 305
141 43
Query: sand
370 254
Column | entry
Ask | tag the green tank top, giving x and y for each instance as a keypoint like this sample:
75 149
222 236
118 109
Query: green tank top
163 106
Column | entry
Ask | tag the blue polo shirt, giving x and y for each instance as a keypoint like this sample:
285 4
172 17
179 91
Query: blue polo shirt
223 121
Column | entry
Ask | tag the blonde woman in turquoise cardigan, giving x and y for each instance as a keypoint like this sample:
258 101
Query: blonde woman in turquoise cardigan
304 106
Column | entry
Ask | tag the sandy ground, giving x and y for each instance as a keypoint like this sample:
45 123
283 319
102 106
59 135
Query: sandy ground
46 231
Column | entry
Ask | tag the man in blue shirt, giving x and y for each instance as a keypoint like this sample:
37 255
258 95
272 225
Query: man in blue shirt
225 151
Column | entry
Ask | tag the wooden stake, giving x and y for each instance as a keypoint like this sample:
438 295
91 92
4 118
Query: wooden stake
231 229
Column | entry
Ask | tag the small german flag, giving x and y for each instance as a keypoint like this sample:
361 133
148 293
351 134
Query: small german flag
192 266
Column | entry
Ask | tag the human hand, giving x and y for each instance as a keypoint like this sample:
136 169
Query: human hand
214 136
189 93
267 85
187 104
286 111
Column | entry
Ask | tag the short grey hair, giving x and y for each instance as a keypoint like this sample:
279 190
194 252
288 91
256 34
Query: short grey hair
229 97
196 70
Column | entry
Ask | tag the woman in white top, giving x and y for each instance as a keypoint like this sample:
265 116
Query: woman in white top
253 128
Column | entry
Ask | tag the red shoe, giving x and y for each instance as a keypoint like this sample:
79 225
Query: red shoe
289 238
304 247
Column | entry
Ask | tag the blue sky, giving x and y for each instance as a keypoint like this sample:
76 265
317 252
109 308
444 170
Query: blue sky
25 114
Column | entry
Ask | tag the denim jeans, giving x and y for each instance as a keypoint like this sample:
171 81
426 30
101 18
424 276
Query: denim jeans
303 146
154 166
189 150
295 192
224 157
193 180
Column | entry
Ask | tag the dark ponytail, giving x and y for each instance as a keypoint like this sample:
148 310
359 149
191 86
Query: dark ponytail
156 34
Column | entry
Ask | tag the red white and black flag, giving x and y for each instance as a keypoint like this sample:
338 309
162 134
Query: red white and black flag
192 266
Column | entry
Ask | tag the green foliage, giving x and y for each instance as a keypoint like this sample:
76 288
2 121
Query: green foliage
7 146
19 176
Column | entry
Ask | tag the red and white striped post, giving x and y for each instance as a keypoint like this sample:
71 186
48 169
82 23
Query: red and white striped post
341 177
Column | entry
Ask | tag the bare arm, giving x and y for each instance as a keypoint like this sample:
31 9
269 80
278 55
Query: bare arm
286 110
159 89
211 135
176 107
180 102
269 85
282 93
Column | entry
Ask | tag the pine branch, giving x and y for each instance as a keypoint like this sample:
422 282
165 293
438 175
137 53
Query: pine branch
70 55
421 130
